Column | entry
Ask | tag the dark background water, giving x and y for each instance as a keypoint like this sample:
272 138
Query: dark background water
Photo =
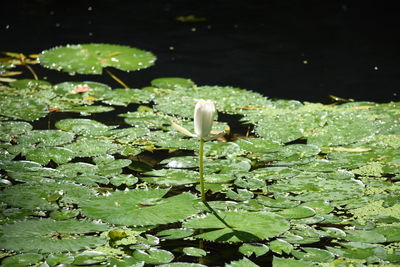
292 49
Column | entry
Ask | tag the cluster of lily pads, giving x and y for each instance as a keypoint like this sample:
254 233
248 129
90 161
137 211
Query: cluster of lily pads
290 184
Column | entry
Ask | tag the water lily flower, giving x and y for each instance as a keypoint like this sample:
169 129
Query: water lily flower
204 112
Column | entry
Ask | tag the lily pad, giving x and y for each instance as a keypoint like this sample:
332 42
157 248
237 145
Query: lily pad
21 260
25 109
172 83
195 252
46 235
89 147
141 207
124 97
288 262
83 126
44 155
45 138
175 233
11 128
258 249
153 256
314 254
239 226
43 196
92 58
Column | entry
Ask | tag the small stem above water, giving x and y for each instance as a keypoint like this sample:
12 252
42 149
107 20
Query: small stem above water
201 169
118 80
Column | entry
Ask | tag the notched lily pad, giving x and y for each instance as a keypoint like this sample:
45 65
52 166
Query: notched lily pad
48 236
92 58
141 207
239 226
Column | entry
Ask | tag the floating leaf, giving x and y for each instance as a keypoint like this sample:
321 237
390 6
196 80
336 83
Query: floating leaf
92 58
59 155
141 207
43 195
89 147
171 177
83 126
288 262
256 248
50 236
124 97
153 256
173 83
245 262
195 252
175 233
314 254
25 109
44 138
20 260
297 212
239 226
279 246
11 128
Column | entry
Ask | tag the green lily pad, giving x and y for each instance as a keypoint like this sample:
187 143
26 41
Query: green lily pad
391 233
92 58
44 155
239 226
343 129
279 246
298 212
22 260
25 109
45 239
89 258
171 177
153 256
314 254
85 89
364 236
258 249
245 262
173 83
83 126
89 147
44 138
141 207
30 84
195 252
228 99
124 97
54 259
43 196
288 262
175 233
259 145
11 128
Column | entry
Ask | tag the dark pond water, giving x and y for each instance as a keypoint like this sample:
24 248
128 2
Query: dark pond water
302 50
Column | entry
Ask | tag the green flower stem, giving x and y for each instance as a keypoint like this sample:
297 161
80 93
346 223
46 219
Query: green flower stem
201 169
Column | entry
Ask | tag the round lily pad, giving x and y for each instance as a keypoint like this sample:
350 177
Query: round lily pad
153 256
239 226
141 207
48 236
21 260
43 138
92 58
43 196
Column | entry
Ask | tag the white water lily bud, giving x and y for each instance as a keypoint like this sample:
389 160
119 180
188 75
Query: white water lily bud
203 117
